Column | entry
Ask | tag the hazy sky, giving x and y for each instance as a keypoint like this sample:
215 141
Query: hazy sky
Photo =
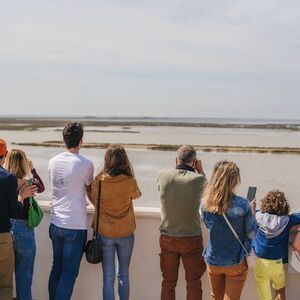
202 58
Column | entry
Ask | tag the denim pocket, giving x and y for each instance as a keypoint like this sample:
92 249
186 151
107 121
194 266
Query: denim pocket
70 236
52 232
24 234
24 243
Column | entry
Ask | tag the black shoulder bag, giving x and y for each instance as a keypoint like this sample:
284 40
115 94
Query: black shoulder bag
93 249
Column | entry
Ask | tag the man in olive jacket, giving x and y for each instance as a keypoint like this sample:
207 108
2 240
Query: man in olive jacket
180 194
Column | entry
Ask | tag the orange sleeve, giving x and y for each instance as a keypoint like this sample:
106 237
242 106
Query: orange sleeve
94 189
135 191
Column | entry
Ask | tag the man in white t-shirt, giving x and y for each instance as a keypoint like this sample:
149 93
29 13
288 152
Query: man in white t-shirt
71 175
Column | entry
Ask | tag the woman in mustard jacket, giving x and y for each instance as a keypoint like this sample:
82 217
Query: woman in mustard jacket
116 218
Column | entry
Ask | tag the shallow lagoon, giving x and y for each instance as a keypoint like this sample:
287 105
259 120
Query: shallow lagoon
267 171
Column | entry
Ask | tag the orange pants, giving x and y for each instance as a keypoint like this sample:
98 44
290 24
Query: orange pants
227 282
189 249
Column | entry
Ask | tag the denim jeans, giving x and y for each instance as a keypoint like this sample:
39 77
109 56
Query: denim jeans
123 248
25 250
68 247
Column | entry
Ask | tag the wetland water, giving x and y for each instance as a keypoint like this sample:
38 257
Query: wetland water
266 171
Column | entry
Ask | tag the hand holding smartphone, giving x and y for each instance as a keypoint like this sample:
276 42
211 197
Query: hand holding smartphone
251 193
251 197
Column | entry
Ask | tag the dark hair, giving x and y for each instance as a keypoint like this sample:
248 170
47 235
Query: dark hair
72 134
116 159
186 154
2 156
275 203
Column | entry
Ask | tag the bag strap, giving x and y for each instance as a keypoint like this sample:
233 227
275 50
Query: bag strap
234 233
29 183
98 210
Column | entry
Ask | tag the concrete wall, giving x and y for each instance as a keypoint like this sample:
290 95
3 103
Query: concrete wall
145 275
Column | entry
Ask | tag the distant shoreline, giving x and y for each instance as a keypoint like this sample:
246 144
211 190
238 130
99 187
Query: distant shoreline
27 124
168 147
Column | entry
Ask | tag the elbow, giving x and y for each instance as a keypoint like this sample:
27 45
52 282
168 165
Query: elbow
296 243
41 189
296 246
136 196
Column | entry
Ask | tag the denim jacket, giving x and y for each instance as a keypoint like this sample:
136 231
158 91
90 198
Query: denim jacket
223 249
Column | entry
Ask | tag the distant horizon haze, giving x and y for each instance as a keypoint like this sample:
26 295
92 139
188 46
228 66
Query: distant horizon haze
179 119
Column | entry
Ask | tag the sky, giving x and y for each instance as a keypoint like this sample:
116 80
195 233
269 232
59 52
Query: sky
158 58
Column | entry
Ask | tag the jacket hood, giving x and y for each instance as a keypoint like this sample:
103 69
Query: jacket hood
271 225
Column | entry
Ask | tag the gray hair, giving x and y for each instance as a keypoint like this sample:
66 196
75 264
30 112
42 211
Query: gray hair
186 154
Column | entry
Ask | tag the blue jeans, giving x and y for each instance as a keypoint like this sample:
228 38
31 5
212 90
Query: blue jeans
68 247
25 250
123 247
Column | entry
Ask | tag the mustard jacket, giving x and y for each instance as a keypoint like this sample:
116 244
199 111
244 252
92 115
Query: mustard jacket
116 218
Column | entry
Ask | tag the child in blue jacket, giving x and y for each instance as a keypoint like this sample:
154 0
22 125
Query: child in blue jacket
271 244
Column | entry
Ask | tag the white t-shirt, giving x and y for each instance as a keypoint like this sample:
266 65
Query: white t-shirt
69 173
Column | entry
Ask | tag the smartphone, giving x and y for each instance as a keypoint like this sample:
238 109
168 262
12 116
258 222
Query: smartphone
29 181
251 193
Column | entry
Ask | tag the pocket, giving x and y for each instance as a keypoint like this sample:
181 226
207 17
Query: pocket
129 241
167 243
194 244
162 262
24 243
52 232
6 248
74 235
70 236
238 270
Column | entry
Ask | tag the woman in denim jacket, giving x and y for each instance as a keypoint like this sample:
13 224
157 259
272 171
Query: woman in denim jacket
225 257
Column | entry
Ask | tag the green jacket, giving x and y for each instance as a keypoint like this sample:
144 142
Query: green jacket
180 195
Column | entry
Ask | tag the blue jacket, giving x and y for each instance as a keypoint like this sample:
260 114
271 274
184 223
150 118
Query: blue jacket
271 241
223 249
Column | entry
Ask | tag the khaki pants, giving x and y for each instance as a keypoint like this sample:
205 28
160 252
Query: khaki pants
6 266
189 249
227 282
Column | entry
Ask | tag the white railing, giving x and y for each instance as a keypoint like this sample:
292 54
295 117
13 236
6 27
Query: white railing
145 275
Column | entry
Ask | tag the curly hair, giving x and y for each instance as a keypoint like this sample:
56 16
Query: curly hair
275 202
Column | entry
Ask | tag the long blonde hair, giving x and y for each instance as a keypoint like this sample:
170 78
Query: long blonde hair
220 189
17 163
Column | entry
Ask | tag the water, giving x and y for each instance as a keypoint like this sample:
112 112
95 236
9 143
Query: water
266 171
170 135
